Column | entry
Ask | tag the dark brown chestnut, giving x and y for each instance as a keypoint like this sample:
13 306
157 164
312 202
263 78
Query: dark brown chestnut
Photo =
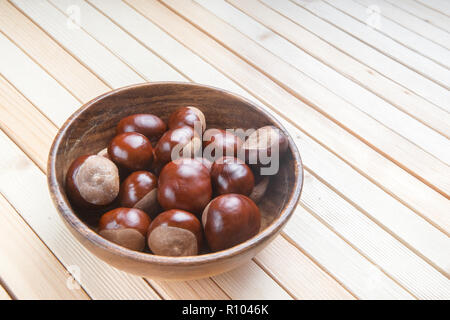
92 181
126 227
188 116
218 143
265 145
184 184
131 151
149 125
175 233
230 219
208 164
139 191
176 143
231 175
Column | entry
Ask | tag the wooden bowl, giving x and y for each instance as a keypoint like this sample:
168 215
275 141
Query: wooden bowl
91 128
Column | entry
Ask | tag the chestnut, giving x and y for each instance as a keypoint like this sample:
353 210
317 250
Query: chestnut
175 233
208 164
230 219
103 153
188 116
126 227
92 181
149 125
264 145
218 143
175 143
231 175
184 184
261 185
131 151
139 191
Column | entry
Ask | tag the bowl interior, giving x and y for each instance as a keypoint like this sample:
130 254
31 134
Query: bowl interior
92 127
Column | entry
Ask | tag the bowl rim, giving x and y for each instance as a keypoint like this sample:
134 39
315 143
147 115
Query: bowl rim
76 224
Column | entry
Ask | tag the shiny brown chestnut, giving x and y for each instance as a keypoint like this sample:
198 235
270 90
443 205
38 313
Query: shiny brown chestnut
175 233
232 175
92 181
149 125
139 191
176 143
131 151
187 116
184 184
126 227
218 143
229 220
261 145
208 164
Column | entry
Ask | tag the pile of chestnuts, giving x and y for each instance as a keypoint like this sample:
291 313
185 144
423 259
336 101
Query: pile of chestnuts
163 194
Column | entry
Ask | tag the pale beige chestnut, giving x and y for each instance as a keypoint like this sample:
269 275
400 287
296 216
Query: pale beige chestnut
92 181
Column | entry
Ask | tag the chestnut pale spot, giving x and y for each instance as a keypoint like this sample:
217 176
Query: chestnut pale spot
172 241
97 180
126 237
260 189
148 203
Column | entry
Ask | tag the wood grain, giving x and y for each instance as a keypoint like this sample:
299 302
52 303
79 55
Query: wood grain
396 120
350 149
359 270
4 294
390 80
31 272
207 73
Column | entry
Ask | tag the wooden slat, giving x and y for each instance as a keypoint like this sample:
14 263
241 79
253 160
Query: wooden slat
28 268
4 295
37 44
75 40
390 80
414 160
410 21
30 198
404 266
150 68
271 286
426 14
267 262
412 229
379 206
359 275
250 282
386 35
358 155
360 97
50 94
439 5
305 282
195 289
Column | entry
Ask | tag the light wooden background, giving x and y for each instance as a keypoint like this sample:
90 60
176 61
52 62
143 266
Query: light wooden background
362 86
